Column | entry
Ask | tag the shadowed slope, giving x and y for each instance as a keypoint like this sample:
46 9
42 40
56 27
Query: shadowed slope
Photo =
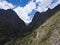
12 26
47 33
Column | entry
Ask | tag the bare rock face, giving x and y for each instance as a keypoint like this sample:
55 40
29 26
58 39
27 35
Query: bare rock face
12 27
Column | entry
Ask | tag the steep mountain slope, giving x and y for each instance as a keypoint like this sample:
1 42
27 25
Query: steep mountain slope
13 30
10 25
46 34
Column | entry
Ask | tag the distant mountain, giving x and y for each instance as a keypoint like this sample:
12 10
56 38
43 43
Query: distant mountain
12 26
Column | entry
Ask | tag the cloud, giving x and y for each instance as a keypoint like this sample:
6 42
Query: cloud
45 4
54 4
27 12
23 12
5 5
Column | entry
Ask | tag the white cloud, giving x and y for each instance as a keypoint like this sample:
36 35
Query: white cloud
53 5
5 5
23 12
45 4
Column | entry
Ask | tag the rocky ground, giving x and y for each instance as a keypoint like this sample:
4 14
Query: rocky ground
46 34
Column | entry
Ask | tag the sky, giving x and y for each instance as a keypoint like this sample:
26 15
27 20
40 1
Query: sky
18 2
26 9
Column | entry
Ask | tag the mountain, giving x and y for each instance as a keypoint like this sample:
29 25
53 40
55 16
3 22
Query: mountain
12 27
47 33
40 18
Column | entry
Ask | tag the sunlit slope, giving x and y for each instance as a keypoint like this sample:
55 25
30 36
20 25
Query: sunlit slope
49 32
46 34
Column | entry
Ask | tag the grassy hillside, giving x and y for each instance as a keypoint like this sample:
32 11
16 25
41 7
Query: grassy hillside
46 34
